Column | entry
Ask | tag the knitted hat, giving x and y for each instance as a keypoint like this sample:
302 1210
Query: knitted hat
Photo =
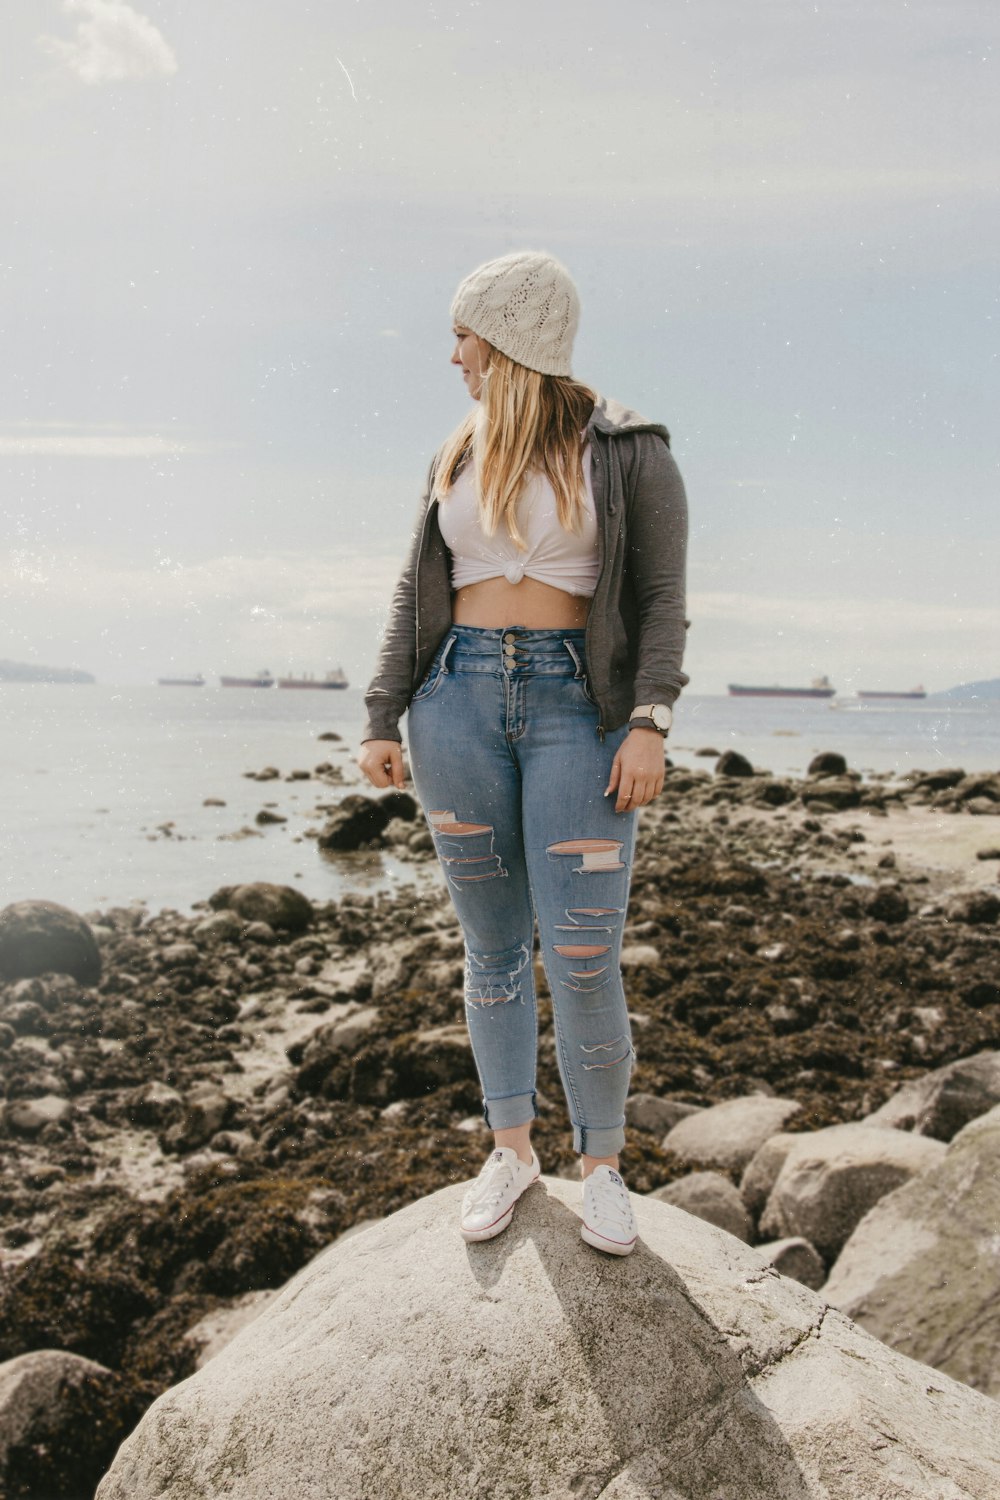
526 306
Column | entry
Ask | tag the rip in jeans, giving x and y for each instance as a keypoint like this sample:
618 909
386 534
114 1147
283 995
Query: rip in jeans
465 849
492 978
597 855
598 921
615 1045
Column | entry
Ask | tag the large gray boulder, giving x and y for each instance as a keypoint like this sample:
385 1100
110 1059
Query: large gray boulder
403 1362
922 1270
831 1178
761 1171
41 937
713 1198
727 1135
650 1112
941 1102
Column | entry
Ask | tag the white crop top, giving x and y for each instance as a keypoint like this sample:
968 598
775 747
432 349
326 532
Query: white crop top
564 559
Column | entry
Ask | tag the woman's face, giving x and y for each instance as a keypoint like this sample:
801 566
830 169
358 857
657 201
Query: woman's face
473 355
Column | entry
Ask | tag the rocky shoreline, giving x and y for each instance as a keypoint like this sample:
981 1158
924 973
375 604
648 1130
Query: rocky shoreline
217 1096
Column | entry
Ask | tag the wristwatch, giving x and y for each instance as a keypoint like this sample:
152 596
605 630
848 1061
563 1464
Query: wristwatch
652 716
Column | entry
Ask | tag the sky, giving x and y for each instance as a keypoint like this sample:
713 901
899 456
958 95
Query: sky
231 235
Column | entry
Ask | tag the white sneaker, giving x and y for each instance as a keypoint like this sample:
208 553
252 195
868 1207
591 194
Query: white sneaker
608 1221
488 1206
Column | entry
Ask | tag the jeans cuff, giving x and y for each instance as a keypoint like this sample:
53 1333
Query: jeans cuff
608 1141
507 1114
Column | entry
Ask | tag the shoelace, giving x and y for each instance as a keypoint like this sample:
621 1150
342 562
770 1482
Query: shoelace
609 1204
495 1177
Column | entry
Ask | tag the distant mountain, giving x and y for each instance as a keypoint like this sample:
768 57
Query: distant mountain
22 671
990 688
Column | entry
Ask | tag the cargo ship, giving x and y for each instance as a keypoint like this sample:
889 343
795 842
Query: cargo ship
913 693
819 688
198 681
262 680
334 679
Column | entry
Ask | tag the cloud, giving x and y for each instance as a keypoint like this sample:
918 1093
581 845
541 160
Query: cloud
88 447
113 42
92 440
281 585
842 615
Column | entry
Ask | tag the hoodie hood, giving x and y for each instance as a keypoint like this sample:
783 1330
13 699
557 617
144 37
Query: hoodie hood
614 419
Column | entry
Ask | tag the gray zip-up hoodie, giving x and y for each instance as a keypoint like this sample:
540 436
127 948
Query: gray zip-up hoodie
636 626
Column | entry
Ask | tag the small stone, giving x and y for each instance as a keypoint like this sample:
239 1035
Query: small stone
977 908
29 1116
827 763
640 956
179 956
222 926
280 906
260 932
154 1103
733 764
888 904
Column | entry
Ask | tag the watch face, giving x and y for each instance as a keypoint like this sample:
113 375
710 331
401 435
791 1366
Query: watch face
661 716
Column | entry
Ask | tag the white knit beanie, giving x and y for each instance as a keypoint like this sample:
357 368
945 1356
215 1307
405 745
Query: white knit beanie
526 306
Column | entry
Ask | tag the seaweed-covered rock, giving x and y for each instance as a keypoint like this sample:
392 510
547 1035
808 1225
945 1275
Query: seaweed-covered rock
280 906
837 791
357 820
40 937
732 763
978 908
827 763
887 903
61 1420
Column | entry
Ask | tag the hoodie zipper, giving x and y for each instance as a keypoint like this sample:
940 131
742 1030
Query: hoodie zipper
595 459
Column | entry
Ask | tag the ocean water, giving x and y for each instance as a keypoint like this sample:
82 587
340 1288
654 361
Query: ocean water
91 777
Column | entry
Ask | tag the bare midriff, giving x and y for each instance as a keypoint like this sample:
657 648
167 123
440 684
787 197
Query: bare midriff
495 602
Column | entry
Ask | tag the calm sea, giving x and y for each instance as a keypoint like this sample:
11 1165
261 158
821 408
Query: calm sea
91 777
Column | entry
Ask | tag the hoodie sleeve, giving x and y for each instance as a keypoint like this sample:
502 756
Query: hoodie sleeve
657 554
389 692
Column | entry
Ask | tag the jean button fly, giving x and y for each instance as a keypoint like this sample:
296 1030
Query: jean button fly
509 637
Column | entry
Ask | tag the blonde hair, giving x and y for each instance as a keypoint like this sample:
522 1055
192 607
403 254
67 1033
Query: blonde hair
526 422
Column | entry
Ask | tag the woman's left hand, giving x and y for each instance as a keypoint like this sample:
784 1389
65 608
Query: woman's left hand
637 770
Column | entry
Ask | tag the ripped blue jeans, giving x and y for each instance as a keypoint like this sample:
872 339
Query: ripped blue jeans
510 770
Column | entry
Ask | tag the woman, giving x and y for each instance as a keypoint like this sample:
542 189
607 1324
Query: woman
536 637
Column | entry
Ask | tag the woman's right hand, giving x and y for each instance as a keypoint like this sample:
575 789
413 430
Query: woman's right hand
382 762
